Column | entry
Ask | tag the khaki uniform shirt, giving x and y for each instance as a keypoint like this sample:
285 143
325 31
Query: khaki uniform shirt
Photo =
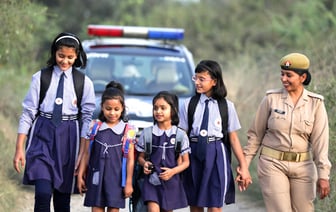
280 125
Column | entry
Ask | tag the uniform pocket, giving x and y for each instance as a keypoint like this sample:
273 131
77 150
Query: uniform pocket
308 126
277 121
95 178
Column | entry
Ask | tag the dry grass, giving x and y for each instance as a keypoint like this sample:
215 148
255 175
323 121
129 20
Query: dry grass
9 180
11 94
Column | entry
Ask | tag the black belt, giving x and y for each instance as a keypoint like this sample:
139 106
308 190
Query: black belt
210 139
64 117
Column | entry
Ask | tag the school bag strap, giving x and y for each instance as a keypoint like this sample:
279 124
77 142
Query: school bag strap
191 111
94 130
128 140
147 132
148 141
45 82
223 110
178 143
78 78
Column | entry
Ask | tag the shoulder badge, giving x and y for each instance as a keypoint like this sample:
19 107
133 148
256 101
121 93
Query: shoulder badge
315 95
278 90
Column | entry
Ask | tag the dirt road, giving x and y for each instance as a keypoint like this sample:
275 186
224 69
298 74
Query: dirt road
242 205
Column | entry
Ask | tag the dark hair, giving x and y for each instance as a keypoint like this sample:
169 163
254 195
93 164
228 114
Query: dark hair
113 90
215 71
301 72
69 40
172 100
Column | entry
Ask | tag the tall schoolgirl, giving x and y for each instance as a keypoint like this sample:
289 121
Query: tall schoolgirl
102 160
209 179
52 149
162 187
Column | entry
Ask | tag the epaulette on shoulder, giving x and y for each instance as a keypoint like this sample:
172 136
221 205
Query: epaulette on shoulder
278 90
315 95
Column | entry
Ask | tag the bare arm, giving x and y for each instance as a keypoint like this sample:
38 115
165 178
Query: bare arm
128 190
82 166
244 178
19 160
144 163
83 148
183 163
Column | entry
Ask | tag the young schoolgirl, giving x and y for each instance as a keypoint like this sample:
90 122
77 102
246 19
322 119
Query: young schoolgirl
209 180
52 125
100 171
162 188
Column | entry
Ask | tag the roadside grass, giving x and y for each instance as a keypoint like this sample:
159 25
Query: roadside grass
13 88
8 177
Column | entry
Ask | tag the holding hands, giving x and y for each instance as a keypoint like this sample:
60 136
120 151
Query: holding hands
243 178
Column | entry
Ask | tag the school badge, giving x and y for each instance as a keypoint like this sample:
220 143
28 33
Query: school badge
218 122
58 101
204 133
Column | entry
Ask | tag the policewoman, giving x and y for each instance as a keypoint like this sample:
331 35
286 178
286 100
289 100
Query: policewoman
291 130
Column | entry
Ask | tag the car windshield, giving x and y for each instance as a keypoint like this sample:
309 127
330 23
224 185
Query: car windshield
140 74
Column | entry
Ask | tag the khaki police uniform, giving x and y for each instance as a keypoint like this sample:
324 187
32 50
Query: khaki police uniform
293 142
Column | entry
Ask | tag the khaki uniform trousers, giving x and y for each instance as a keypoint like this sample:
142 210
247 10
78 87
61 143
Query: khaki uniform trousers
287 186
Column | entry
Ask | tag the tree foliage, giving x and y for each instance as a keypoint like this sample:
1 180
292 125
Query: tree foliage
25 26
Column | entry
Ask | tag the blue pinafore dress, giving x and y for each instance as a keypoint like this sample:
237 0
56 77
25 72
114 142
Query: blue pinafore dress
105 168
51 153
210 183
170 194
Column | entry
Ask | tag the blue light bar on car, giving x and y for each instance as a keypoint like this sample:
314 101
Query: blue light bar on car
136 32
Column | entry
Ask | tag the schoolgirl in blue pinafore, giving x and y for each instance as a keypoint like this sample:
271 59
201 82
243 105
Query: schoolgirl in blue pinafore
199 181
104 170
54 149
209 182
170 194
51 152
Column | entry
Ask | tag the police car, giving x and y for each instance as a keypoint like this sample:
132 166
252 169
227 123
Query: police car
145 60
